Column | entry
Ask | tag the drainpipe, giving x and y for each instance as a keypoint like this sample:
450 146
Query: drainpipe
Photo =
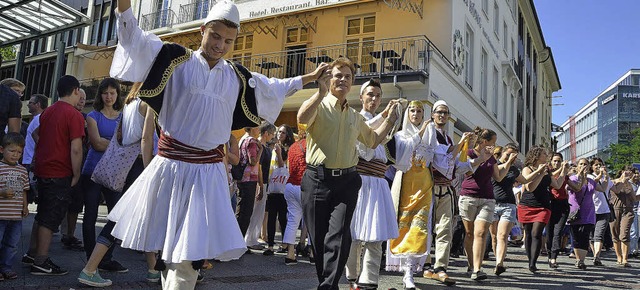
395 84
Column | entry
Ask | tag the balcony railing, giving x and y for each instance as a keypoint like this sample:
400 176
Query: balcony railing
394 56
194 11
160 18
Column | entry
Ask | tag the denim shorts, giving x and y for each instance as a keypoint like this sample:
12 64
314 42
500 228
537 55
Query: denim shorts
54 197
505 212
473 208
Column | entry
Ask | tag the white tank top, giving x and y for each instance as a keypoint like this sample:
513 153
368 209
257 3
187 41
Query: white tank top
132 123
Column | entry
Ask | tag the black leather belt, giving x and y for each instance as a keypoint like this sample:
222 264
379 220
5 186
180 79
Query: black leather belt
333 172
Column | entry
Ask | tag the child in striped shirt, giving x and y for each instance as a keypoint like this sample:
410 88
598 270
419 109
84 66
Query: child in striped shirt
14 183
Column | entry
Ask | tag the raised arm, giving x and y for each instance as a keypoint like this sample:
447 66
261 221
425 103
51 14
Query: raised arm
123 5
136 50
558 180
308 109
524 179
582 180
533 184
500 171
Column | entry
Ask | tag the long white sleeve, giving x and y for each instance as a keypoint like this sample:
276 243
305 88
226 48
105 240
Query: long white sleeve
270 94
405 147
136 50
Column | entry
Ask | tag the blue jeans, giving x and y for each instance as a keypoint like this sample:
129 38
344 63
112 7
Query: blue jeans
633 244
10 232
92 193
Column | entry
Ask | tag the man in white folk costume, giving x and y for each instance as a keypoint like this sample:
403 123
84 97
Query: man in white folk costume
180 204
374 218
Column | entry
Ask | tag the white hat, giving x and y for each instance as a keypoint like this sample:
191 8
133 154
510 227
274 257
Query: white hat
224 9
364 86
439 103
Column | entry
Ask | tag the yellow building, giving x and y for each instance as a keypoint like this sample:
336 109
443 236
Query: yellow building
486 58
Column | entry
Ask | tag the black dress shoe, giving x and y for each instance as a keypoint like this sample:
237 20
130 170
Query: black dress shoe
267 253
290 262
553 265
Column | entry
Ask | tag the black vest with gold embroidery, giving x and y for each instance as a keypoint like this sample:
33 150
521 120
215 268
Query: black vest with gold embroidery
172 55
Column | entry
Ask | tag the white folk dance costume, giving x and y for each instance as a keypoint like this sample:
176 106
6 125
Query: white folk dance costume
182 207
374 218
411 192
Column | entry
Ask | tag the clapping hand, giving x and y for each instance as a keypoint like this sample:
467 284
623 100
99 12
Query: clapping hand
323 72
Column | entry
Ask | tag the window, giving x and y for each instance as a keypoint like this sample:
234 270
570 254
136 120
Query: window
496 19
468 42
242 50
485 7
484 63
505 39
505 104
360 40
297 34
496 92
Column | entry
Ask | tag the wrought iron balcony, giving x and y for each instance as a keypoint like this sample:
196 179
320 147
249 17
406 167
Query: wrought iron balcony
160 18
392 56
194 11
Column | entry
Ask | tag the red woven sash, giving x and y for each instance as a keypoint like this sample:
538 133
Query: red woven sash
375 168
173 149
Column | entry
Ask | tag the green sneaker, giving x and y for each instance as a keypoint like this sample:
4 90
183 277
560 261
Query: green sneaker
93 280
153 277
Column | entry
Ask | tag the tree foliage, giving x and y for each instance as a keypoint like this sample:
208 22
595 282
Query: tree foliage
624 154
8 53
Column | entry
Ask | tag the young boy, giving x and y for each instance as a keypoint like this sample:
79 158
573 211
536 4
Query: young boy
14 183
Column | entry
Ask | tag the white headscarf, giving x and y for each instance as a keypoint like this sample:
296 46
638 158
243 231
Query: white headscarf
408 128
420 148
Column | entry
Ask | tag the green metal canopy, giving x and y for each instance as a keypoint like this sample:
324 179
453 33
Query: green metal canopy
22 20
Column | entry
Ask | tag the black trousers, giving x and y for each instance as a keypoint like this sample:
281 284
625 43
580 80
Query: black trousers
246 199
555 227
277 209
328 204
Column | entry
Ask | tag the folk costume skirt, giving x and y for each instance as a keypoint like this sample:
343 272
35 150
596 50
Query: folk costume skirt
182 209
414 220
374 218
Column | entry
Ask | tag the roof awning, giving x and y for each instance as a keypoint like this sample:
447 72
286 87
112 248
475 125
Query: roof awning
22 20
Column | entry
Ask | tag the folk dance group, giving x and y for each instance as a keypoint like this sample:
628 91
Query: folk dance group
179 204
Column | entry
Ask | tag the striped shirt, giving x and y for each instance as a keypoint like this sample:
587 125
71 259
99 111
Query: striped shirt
13 177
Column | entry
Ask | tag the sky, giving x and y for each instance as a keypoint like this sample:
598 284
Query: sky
594 43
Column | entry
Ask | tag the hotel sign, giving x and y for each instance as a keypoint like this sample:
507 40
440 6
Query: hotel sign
261 8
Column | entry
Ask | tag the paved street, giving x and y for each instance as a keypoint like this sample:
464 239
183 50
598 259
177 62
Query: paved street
256 271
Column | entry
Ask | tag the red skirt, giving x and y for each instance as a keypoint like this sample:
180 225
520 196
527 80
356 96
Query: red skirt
528 214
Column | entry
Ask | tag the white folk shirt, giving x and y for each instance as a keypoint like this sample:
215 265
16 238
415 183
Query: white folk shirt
365 152
201 100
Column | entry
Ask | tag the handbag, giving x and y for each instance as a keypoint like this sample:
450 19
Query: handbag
575 214
278 180
237 171
116 162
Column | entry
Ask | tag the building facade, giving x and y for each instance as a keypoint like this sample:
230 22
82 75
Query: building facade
486 58
607 119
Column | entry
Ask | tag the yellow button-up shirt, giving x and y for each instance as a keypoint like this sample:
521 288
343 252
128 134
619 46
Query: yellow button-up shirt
332 133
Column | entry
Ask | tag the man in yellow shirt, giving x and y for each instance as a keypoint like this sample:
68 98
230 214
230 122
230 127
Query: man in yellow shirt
330 184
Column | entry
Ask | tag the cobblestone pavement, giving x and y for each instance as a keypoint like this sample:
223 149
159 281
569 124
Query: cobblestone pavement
256 271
